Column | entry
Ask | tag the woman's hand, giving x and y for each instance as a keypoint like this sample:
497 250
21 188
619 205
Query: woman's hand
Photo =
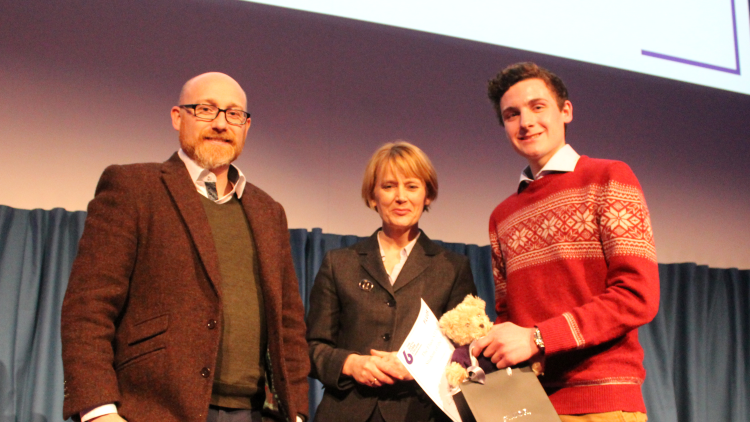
390 365
366 370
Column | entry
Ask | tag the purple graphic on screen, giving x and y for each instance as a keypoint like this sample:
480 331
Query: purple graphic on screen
735 71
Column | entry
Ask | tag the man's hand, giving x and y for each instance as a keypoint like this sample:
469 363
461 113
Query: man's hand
112 417
390 365
365 370
507 344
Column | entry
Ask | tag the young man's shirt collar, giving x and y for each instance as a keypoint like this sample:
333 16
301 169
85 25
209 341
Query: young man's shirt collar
200 176
564 160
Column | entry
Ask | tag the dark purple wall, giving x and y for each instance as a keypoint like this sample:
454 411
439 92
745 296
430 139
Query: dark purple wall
87 83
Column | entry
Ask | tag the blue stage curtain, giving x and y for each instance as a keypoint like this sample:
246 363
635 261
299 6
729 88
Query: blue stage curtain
36 252
697 348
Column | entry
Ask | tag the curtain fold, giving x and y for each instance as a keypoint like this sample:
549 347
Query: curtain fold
36 251
697 348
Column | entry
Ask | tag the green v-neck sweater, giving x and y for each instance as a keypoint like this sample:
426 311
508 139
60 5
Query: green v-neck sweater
239 376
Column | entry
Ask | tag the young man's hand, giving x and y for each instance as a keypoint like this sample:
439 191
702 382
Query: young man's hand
507 344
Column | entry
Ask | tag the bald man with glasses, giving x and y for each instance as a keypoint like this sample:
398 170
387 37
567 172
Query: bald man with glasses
183 304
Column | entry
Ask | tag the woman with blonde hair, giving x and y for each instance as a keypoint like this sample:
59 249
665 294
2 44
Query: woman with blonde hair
366 297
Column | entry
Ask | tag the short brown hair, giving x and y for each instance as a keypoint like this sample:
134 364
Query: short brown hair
403 157
518 72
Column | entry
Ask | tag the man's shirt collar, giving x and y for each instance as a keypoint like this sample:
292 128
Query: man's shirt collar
200 176
564 160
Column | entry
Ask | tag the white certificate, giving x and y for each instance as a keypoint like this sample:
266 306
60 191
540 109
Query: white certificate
426 353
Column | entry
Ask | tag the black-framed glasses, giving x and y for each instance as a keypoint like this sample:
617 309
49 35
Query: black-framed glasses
209 112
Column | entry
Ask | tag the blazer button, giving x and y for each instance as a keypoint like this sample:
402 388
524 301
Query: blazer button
211 324
390 302
206 372
387 336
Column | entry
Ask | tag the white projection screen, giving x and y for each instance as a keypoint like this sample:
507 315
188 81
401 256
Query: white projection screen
704 42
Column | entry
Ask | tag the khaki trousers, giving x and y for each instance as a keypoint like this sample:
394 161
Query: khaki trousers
618 416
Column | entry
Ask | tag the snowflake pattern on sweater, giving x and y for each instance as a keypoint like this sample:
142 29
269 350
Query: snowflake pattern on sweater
571 223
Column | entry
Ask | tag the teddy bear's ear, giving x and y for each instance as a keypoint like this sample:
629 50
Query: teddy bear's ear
474 301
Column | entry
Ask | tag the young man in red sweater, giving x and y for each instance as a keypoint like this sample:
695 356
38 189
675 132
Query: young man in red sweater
573 259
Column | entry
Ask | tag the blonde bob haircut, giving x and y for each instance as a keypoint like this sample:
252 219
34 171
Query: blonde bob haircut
403 157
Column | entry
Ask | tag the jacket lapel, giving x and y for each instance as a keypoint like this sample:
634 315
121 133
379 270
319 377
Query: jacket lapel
372 262
419 259
181 188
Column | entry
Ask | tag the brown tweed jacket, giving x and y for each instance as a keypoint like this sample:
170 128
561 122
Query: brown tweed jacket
142 312
354 308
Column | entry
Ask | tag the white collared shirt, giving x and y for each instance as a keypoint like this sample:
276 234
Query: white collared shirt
200 176
403 255
564 160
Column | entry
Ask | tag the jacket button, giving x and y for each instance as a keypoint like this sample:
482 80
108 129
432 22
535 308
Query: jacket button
211 324
206 372
387 336
390 302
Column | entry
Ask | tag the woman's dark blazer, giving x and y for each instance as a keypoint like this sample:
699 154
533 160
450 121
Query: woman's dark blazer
354 308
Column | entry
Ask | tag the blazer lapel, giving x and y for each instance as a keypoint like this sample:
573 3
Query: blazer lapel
372 262
181 187
419 259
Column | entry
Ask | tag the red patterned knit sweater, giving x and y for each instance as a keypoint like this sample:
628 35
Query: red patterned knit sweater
573 253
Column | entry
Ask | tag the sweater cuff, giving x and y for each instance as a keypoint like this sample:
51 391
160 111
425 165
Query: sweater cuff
561 334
